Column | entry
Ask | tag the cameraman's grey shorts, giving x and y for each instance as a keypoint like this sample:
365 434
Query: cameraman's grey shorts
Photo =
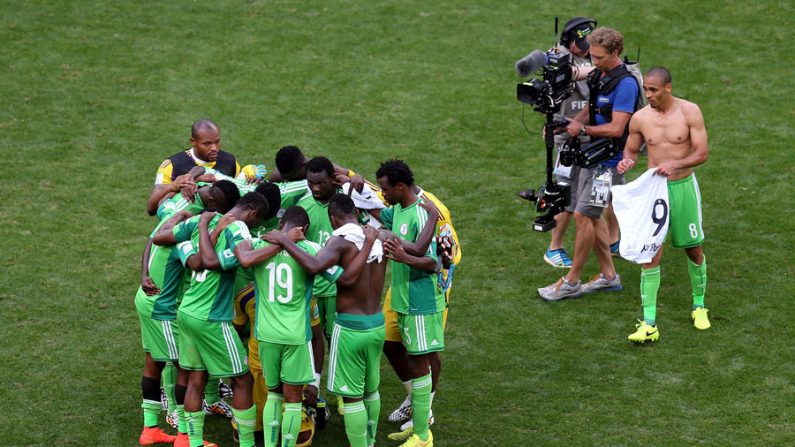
573 187
584 186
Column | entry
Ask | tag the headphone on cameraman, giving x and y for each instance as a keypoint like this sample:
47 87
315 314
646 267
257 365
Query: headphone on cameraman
571 25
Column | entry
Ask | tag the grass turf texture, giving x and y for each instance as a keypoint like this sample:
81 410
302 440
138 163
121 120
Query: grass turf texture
97 94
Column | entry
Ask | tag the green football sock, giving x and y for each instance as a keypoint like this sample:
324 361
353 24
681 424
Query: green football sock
246 420
271 418
356 423
291 423
211 391
182 426
649 285
195 421
151 411
421 405
372 402
169 379
698 280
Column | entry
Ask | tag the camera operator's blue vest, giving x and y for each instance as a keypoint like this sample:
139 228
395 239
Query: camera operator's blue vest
598 84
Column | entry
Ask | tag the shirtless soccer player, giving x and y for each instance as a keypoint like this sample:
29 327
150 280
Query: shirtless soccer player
674 132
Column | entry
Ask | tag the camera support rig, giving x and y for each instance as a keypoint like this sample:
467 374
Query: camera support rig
546 96
551 197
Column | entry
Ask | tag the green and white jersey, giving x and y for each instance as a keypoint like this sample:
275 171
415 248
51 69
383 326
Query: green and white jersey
283 292
292 192
175 204
166 268
210 295
242 185
319 232
414 292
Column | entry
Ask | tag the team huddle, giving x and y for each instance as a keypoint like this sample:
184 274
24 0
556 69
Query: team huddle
294 260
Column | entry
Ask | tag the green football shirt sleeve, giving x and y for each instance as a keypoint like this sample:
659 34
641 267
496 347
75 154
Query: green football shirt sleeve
185 250
236 233
431 253
387 216
184 230
227 259
332 274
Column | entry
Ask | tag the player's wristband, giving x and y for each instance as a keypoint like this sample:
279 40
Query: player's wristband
316 383
351 173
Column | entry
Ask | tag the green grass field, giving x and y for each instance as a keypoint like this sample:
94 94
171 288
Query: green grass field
97 94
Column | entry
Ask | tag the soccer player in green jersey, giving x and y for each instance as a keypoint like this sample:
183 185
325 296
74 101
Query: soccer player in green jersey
416 295
208 343
283 329
213 196
320 177
358 335
156 301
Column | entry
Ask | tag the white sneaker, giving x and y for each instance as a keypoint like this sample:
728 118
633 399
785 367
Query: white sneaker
559 290
402 413
410 423
599 283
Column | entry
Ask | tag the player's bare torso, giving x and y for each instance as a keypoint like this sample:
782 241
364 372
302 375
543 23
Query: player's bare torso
667 134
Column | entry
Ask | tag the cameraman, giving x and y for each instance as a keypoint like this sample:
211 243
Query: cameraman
573 39
613 99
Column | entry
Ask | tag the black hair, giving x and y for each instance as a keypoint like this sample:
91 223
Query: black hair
575 24
288 159
320 164
396 171
660 72
230 192
296 216
200 125
255 201
273 195
341 205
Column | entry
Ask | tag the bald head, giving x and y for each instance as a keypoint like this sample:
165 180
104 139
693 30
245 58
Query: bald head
201 126
206 140
661 74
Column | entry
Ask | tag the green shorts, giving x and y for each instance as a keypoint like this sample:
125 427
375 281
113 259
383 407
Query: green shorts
290 364
159 338
210 346
685 208
355 354
327 306
422 334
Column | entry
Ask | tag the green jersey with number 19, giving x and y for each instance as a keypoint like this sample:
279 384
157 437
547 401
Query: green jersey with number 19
414 292
211 293
284 291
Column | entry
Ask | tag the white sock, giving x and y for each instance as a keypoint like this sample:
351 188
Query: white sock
407 386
